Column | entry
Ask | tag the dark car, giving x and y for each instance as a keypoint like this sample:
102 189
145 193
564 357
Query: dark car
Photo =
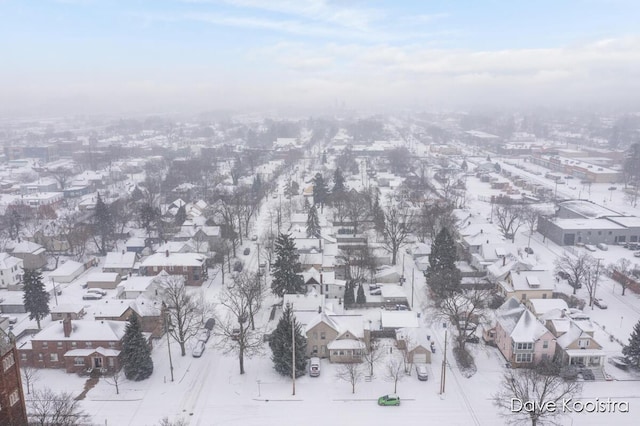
563 275
473 339
528 250
209 324
376 292
247 251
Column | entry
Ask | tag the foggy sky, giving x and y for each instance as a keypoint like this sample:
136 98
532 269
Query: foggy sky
71 56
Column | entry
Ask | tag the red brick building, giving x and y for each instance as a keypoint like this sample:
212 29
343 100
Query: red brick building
79 346
192 266
12 405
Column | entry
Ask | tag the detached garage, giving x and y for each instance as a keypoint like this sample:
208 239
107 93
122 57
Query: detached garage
67 272
104 280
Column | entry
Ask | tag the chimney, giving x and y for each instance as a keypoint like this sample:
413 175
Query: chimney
166 253
66 325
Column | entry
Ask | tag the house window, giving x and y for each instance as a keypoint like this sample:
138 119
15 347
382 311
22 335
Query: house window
341 352
326 287
23 357
112 344
45 345
111 362
583 343
8 362
315 349
323 335
544 295
88 345
78 361
74 344
59 344
40 357
14 397
53 357
524 346
524 358
315 335
545 344
334 353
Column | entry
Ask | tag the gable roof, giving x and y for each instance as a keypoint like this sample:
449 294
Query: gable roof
119 260
84 330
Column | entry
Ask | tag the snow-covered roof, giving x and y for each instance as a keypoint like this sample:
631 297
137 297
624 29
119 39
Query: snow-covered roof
87 330
7 261
532 280
392 291
305 302
175 247
86 352
27 247
137 283
68 268
174 259
542 306
346 344
399 319
528 328
110 308
66 308
120 260
322 317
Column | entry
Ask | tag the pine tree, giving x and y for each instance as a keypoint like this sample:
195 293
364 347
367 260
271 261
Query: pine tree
349 298
361 298
36 298
632 350
286 267
378 216
136 355
281 345
313 224
338 182
464 166
181 215
443 276
320 190
103 225
307 206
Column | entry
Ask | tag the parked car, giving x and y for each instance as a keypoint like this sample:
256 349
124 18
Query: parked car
376 292
97 291
373 287
602 246
254 237
91 296
198 349
203 335
564 275
247 251
637 254
314 367
600 303
237 266
528 250
400 307
423 374
210 323
590 247
473 339
391 399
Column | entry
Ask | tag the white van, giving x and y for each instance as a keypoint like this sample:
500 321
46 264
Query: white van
314 367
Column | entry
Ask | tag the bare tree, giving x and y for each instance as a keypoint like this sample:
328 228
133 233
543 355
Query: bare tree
395 371
372 356
185 310
593 275
49 408
539 390
114 379
530 217
622 266
464 311
233 331
177 422
509 219
62 176
253 291
576 268
350 372
30 375
397 226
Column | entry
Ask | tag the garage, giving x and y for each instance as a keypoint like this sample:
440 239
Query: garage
419 358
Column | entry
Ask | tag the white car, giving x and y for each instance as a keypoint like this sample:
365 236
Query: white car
97 291
91 296
198 349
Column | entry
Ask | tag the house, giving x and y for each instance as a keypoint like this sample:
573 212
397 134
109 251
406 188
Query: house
135 245
192 266
33 255
525 285
543 308
10 272
12 302
12 402
414 344
387 274
341 338
521 338
576 344
394 320
176 247
77 346
324 283
393 295
67 272
60 312
104 280
136 286
121 262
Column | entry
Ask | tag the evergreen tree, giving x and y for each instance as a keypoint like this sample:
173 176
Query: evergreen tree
349 298
464 166
443 276
632 350
378 216
281 345
320 190
103 226
443 251
181 215
36 298
136 194
307 206
136 355
286 267
313 224
338 182
361 298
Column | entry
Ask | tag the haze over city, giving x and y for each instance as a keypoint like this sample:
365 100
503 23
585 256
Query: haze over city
84 56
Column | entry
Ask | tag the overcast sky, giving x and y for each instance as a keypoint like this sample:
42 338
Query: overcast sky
117 56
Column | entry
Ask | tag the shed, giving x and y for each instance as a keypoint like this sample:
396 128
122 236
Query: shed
104 280
67 272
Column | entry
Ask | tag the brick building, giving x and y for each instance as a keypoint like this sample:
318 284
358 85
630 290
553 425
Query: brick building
12 404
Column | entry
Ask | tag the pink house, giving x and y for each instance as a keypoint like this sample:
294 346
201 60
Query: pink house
521 338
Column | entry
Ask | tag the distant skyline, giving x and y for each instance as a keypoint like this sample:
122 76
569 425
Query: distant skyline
74 56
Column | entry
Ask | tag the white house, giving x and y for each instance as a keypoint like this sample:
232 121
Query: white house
136 286
10 272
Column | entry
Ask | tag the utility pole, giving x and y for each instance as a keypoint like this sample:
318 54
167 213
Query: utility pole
293 352
166 330
443 373
55 290
413 273
595 284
